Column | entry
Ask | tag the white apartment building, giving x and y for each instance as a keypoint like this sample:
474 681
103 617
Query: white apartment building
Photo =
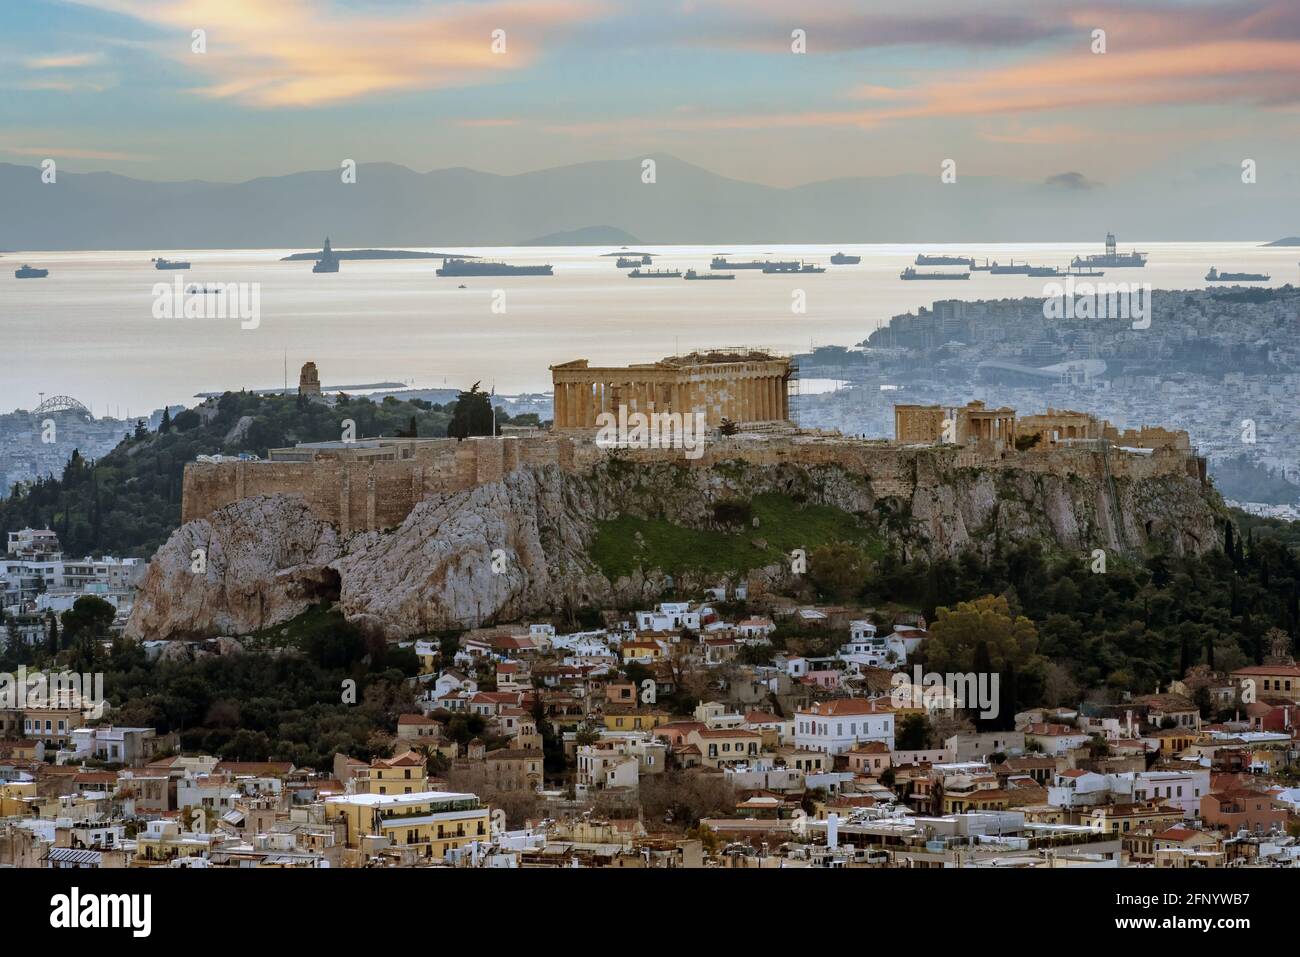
668 616
834 726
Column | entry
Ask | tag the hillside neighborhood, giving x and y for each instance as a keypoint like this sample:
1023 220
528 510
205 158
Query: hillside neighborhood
681 736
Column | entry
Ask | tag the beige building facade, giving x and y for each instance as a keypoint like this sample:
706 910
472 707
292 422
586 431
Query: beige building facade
742 386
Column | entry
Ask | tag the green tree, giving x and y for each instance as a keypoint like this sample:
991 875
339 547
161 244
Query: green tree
472 414
959 631
913 733
89 617
838 571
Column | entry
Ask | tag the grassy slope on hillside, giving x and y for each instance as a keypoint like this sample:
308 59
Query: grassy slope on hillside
783 525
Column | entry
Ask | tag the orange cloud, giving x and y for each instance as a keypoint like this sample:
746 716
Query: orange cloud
300 53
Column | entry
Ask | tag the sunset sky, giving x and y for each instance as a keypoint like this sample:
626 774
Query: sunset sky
1007 88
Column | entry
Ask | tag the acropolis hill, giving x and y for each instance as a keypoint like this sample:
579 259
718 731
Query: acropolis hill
401 532
374 483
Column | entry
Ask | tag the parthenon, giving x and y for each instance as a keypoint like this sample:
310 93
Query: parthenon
742 386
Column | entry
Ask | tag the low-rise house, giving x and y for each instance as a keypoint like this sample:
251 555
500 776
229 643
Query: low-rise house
1119 819
620 718
1163 709
979 746
134 747
642 652
1239 809
775 730
1055 739
1268 681
1076 789
719 651
668 616
802 759
721 747
418 729
426 823
488 704
1182 788
869 757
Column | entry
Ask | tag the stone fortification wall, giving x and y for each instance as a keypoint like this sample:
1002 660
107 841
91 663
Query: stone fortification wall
358 495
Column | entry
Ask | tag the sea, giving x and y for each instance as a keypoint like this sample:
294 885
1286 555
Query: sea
90 330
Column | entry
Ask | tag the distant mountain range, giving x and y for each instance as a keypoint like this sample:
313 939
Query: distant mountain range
391 205
587 236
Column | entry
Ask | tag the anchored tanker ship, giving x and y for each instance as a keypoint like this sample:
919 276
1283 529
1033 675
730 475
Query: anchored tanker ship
720 262
911 273
922 259
467 267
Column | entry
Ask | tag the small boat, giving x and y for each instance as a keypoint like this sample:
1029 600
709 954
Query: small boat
692 274
30 272
462 286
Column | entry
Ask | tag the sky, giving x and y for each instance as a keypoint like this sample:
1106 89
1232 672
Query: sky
884 88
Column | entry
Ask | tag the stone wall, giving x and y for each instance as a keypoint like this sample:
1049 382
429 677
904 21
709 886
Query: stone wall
362 495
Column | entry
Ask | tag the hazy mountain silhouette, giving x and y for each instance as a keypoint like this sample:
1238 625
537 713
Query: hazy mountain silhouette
587 236
392 206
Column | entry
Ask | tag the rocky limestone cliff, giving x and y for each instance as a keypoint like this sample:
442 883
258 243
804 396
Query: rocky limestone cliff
518 547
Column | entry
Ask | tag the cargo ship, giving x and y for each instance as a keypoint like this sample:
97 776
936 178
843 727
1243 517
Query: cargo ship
161 263
1215 276
799 267
1011 269
840 259
631 262
652 274
327 262
1111 257
477 267
911 273
922 259
1045 271
692 274
30 272
720 262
